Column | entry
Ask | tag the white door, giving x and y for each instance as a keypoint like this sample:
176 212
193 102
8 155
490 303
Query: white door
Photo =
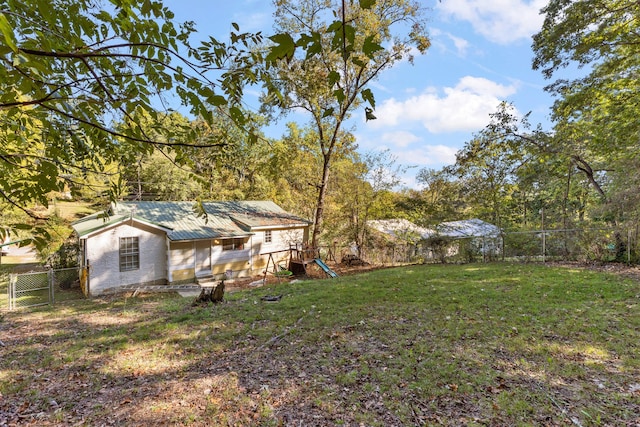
203 257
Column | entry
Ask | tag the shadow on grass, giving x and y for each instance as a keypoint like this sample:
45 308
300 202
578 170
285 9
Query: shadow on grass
443 345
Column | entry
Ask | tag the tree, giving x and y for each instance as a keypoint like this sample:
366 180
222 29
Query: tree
161 179
76 73
293 163
603 36
517 170
323 65
486 171
362 190
440 198
595 113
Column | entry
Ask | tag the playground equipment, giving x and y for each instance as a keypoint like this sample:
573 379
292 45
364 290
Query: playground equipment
325 268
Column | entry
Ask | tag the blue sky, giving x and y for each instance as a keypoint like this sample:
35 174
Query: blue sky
480 55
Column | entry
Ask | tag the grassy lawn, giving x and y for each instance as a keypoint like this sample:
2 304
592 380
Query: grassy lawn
72 210
494 344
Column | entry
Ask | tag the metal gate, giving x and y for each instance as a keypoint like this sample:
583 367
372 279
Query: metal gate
40 288
30 289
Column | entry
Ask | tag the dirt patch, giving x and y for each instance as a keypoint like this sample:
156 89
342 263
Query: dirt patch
313 273
620 269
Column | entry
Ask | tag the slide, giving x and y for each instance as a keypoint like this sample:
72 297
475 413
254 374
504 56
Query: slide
325 268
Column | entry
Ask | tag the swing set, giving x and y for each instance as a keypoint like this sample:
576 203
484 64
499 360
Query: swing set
299 258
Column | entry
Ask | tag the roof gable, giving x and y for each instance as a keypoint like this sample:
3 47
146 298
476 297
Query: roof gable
100 221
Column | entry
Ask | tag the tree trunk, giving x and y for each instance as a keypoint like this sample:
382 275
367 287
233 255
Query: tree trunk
317 229
583 166
565 202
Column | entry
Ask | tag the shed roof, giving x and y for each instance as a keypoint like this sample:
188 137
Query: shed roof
180 221
468 228
399 227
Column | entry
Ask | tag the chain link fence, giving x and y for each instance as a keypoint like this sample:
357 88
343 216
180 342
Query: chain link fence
43 288
581 245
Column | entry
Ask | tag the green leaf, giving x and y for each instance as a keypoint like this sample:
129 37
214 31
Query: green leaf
284 47
103 16
305 40
237 115
367 4
22 226
7 31
146 7
359 62
369 114
328 112
217 100
350 35
312 43
367 96
333 78
370 46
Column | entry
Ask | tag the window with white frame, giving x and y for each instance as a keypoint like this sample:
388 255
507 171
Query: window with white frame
129 254
236 244
268 237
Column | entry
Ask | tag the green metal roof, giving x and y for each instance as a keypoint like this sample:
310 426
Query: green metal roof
179 219
94 222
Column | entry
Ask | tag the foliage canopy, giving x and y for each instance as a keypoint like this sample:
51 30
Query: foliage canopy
77 76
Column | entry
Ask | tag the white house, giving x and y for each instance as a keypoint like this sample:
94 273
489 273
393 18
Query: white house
168 243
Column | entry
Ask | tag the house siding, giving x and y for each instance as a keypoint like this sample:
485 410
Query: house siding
103 253
238 261
182 262
281 239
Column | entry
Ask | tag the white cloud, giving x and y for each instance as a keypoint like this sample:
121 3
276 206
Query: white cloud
465 107
257 21
428 155
379 87
399 138
501 21
461 45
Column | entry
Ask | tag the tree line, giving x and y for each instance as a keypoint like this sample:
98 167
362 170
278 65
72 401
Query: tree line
84 108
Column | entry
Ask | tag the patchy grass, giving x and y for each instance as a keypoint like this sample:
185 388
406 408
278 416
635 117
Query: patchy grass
493 344
72 210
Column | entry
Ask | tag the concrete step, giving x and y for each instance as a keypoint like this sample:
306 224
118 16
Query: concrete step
205 278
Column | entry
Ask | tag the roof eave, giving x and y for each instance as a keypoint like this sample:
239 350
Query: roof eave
113 223
279 226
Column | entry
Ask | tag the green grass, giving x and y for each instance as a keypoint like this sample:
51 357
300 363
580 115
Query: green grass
482 344
72 210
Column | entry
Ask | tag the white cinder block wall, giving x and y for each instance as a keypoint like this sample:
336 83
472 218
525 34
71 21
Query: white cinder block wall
103 254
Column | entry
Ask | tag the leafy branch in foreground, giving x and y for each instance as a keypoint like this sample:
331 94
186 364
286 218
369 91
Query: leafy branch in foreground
76 77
